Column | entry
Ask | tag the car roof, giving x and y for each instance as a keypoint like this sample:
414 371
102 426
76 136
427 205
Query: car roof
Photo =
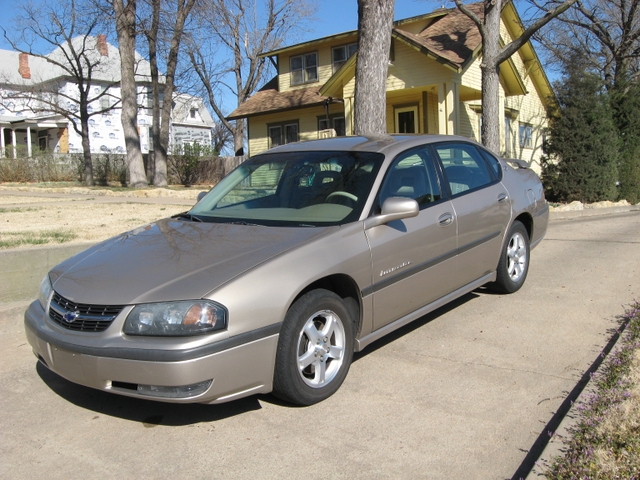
387 144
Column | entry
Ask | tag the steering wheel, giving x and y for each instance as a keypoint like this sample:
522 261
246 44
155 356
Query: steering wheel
341 195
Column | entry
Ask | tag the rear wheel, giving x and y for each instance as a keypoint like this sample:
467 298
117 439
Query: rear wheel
514 260
315 349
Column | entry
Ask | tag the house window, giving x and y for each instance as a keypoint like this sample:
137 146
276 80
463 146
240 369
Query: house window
526 135
340 55
335 121
104 103
304 68
507 136
192 113
282 133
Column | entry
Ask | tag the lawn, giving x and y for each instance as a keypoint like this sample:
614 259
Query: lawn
605 442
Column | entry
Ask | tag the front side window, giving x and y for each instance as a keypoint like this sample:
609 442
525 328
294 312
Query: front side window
304 68
412 175
526 135
340 55
464 166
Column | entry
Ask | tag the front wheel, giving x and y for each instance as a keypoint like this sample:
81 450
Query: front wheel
514 260
315 349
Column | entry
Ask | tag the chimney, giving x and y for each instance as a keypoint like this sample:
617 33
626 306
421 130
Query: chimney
23 66
102 45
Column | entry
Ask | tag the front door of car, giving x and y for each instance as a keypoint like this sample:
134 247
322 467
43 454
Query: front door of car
413 259
481 204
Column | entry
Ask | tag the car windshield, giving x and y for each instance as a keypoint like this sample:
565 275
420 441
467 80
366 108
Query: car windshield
293 189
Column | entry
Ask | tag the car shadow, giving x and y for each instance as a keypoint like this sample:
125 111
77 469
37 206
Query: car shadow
416 324
147 412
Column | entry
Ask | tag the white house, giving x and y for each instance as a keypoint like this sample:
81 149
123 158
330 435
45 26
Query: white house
24 127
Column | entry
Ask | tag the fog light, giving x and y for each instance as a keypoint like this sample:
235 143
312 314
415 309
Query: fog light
185 391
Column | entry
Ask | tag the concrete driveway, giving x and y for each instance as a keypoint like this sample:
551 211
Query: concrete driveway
465 392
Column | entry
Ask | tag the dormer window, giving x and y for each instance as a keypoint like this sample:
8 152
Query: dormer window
304 68
340 55
192 113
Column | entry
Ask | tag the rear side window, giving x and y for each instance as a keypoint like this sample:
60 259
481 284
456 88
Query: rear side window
493 162
465 168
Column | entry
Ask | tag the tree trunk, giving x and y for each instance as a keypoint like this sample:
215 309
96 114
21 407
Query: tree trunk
238 138
157 165
162 145
125 26
86 152
491 78
84 134
375 20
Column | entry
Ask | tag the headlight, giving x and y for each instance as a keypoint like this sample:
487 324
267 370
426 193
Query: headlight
45 291
176 319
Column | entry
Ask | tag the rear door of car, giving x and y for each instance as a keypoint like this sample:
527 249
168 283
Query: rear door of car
413 259
481 204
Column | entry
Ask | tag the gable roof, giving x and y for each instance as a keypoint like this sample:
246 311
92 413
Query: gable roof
452 37
42 70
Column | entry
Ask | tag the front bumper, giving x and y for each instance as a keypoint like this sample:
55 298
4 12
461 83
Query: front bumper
237 367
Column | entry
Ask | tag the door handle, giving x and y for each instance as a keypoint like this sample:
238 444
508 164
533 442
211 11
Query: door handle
503 197
445 219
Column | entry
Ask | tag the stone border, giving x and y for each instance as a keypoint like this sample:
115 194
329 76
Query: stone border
591 212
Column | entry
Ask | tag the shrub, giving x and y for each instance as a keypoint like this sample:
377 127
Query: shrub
42 167
191 164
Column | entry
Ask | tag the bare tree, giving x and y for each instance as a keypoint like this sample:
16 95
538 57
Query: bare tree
226 51
76 57
126 28
606 33
166 24
375 20
493 55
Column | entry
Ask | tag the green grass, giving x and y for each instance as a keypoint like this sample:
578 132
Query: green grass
19 239
605 442
20 209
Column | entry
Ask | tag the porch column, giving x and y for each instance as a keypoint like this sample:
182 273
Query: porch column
13 142
348 116
29 142
503 143
2 145
448 108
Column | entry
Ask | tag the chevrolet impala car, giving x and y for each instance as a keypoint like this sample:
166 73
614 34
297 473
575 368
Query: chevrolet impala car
299 257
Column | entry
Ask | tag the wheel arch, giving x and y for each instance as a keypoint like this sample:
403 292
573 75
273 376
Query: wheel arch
346 288
527 220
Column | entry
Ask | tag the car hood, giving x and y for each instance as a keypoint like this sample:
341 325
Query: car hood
171 260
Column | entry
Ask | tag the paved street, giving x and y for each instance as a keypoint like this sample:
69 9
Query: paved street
463 393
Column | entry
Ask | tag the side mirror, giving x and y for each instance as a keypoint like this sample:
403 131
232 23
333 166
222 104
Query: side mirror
393 208
201 195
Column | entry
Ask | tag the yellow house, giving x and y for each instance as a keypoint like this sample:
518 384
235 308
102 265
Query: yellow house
433 86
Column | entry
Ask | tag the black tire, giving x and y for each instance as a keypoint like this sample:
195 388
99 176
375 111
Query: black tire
514 260
311 367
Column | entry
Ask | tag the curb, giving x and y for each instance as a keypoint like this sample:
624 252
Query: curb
591 212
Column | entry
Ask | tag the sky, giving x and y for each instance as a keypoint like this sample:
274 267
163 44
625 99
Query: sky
337 16
333 16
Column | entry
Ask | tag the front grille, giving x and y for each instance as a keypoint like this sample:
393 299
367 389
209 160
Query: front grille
81 317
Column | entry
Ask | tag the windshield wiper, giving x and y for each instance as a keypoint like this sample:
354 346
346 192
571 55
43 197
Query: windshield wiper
242 222
187 216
